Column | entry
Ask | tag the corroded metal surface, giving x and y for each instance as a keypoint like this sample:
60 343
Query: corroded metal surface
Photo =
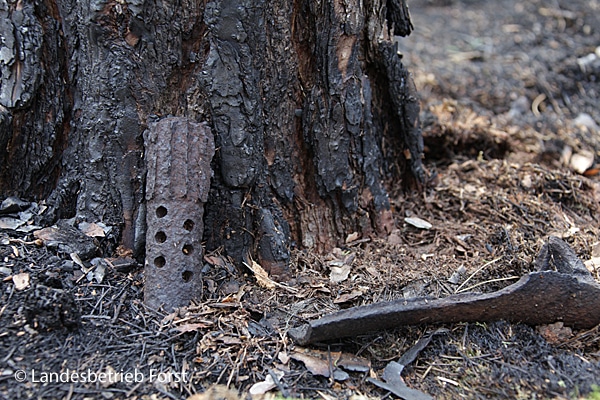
178 155
569 294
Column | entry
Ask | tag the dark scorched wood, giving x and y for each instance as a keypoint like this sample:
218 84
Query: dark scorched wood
312 112
569 294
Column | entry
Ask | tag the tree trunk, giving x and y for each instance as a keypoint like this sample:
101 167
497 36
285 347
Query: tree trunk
312 112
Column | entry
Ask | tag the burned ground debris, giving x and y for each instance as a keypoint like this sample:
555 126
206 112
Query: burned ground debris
502 186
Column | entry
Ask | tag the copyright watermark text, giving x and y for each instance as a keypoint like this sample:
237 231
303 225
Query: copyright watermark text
105 377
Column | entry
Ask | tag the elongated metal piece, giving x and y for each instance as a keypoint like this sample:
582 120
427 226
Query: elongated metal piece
178 156
543 297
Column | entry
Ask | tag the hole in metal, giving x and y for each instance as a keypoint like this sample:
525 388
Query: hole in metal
160 237
187 275
188 249
161 211
188 225
159 262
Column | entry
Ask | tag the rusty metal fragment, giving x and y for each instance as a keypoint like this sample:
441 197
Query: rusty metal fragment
178 155
569 294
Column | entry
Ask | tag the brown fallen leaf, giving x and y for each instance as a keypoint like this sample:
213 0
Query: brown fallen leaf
21 281
191 327
92 229
323 362
339 274
219 261
352 237
346 297
262 277
316 364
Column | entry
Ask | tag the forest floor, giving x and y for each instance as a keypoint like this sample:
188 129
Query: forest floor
510 113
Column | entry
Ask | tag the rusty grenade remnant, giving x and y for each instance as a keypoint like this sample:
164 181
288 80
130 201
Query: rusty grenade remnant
178 155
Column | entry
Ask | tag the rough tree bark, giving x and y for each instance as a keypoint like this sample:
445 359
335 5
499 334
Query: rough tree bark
312 112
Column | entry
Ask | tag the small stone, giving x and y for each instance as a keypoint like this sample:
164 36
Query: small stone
67 265
581 161
12 205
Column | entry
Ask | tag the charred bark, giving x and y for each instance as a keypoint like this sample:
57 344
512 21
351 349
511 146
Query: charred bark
312 111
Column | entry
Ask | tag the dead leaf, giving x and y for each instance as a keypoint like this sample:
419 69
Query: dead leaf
340 266
169 318
219 261
323 362
592 172
21 281
283 357
418 222
98 272
346 297
262 278
76 259
352 237
319 363
91 229
460 249
339 274
263 387
191 327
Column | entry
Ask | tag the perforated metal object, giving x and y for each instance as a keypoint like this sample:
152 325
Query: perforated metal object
178 155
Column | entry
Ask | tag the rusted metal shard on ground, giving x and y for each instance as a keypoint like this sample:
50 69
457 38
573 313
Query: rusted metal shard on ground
569 295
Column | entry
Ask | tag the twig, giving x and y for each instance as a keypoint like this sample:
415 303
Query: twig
95 317
476 272
118 308
508 278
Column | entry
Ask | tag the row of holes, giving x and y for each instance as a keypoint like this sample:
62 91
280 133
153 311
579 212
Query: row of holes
185 275
161 237
162 211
